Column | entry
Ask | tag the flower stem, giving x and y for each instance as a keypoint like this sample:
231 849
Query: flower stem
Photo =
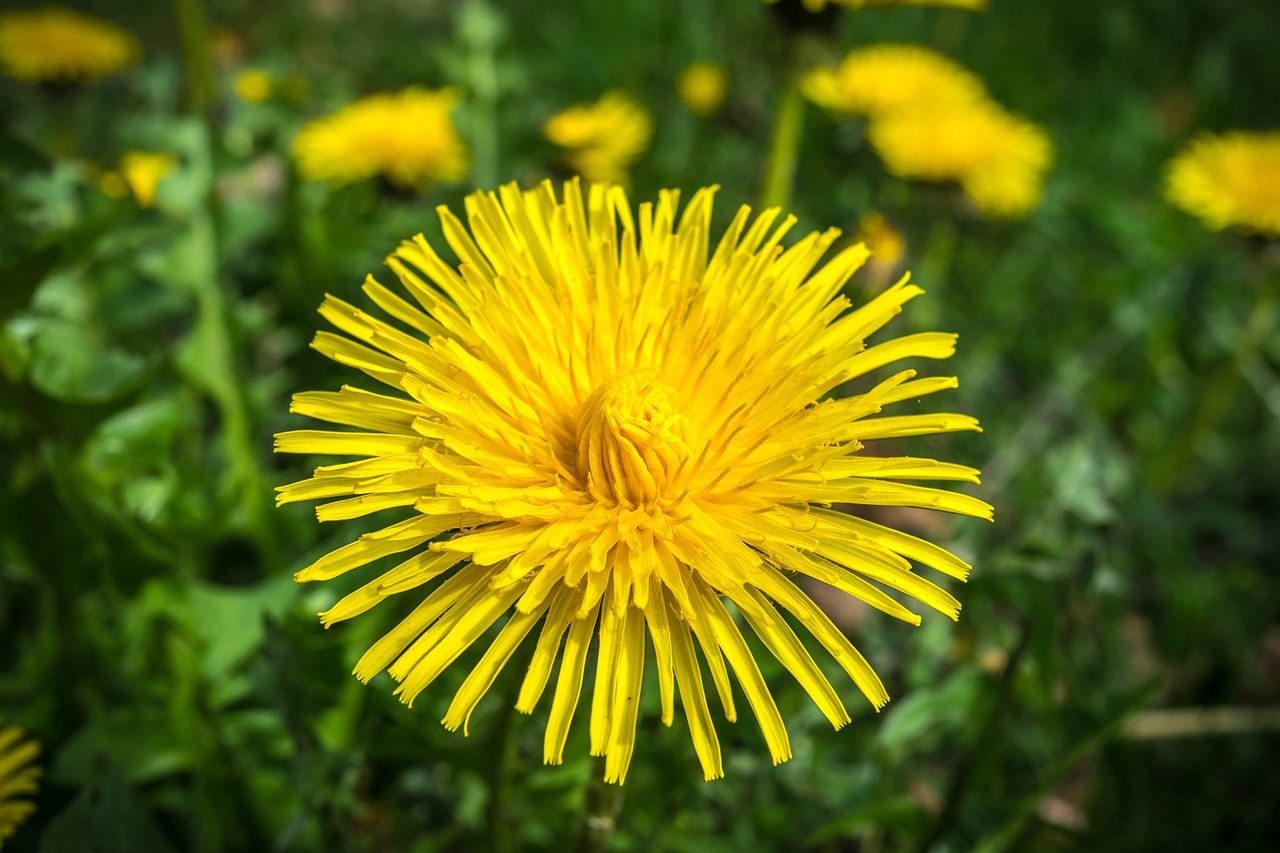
989 734
599 812
1222 385
503 748
211 362
784 143
480 29
195 50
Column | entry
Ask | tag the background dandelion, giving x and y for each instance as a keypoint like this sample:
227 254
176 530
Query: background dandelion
408 138
139 174
703 87
888 78
1230 180
602 139
998 159
60 45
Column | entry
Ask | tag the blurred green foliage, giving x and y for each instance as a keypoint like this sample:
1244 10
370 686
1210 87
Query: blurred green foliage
150 634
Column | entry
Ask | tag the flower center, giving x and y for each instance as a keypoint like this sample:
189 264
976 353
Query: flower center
631 442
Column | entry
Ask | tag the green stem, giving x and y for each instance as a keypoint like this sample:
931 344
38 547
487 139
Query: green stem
194 32
784 143
504 748
934 269
215 368
600 811
981 747
480 28
1216 399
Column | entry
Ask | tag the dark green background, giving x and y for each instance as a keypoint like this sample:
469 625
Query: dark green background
186 696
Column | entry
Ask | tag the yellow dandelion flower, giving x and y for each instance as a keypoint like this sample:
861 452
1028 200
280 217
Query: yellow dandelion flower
1229 180
143 171
873 81
407 137
19 779
702 88
620 426
139 174
887 246
882 240
603 138
819 5
885 243
997 158
61 46
253 85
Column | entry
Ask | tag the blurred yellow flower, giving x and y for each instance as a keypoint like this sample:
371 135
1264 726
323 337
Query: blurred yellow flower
253 85
872 81
139 173
702 88
226 45
622 423
885 243
62 46
19 779
887 246
819 5
603 139
998 159
408 137
1229 180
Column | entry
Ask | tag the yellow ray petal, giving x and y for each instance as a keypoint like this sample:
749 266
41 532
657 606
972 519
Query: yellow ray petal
911 547
787 648
481 678
459 586
658 619
346 443
449 637
372 546
628 679
783 591
901 426
602 707
694 699
562 606
568 686
744 665
412 573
